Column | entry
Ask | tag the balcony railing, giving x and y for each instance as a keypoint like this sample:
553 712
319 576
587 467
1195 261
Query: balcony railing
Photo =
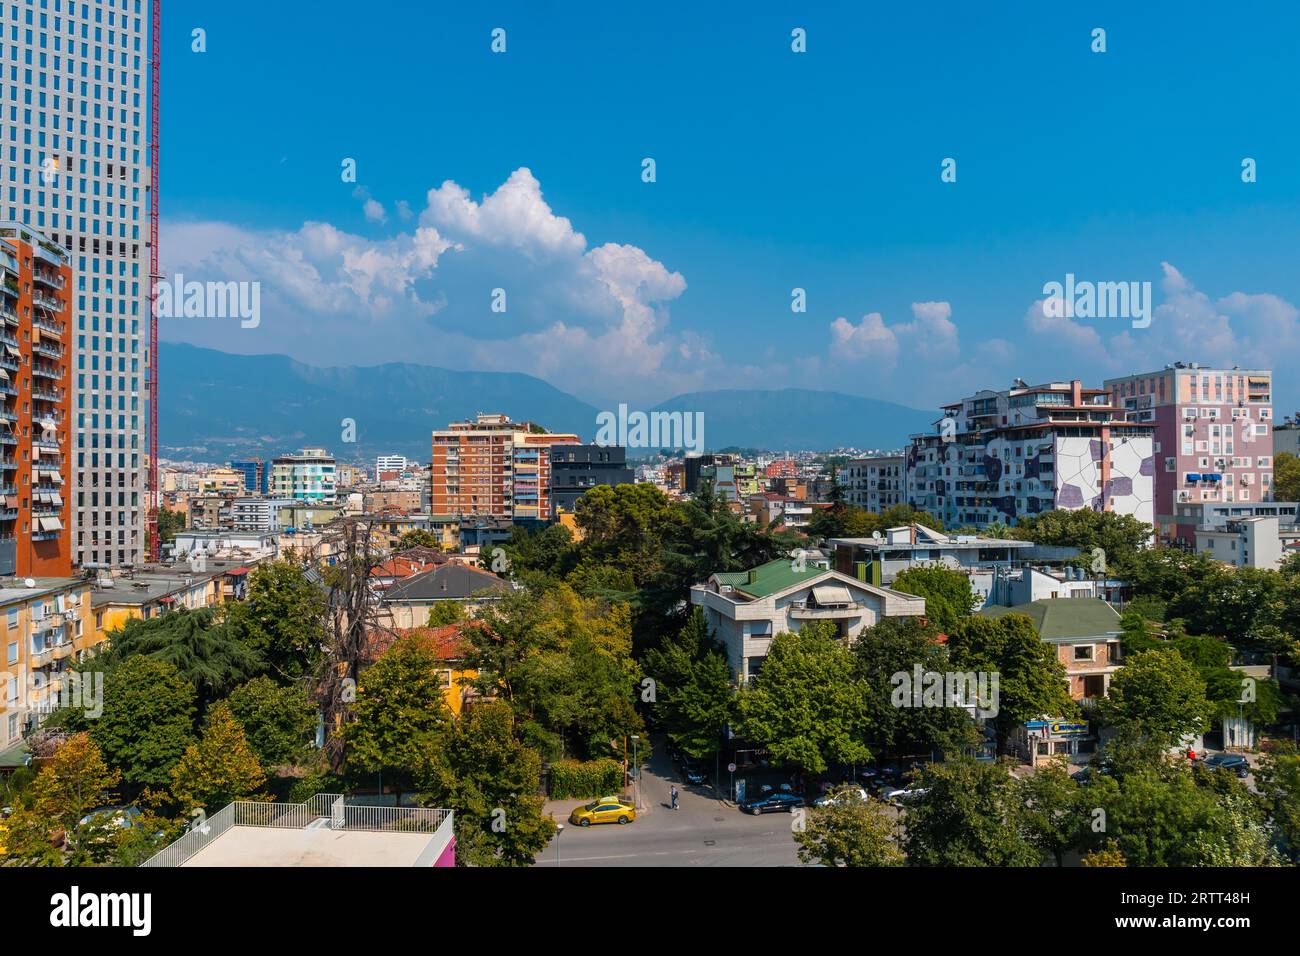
326 809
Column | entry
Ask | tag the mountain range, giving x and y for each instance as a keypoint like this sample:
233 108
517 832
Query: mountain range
215 406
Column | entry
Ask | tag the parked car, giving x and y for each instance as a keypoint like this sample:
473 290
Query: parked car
605 810
1234 762
906 794
778 801
693 771
839 795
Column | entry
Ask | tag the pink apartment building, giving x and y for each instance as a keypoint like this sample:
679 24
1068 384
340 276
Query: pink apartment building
1213 438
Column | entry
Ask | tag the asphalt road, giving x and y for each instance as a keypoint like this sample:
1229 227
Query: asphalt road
703 832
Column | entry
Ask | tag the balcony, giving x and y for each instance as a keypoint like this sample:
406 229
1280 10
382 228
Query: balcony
809 611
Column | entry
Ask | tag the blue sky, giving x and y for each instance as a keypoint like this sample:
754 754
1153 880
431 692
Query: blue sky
775 170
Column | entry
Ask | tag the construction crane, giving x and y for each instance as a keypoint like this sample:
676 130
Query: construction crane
152 542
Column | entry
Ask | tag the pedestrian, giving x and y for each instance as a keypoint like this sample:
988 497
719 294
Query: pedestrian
673 795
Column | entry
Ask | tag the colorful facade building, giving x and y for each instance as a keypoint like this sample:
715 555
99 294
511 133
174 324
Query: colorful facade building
309 476
998 455
1213 434
36 412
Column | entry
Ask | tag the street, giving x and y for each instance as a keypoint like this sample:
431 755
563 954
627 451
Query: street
702 832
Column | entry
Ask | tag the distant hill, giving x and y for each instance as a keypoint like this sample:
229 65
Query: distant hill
800 419
214 406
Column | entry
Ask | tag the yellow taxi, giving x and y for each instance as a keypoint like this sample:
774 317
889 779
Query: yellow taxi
618 810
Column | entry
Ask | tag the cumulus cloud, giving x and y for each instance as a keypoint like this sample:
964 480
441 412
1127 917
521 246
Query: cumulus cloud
594 319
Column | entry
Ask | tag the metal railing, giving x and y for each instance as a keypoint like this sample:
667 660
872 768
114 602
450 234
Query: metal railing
324 809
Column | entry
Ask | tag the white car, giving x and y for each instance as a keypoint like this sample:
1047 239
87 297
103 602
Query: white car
906 795
839 795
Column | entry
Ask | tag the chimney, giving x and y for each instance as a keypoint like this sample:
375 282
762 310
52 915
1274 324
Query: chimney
1076 393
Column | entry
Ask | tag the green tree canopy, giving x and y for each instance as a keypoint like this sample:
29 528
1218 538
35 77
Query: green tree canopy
808 705
970 814
1157 696
219 767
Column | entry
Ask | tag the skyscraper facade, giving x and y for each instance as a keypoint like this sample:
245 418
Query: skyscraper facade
73 165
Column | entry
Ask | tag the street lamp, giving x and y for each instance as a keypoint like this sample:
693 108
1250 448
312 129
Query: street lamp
636 798
559 832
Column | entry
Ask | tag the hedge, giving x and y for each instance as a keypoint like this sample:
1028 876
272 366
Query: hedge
592 778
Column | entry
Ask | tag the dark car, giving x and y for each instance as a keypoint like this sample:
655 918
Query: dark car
778 801
1233 762
693 771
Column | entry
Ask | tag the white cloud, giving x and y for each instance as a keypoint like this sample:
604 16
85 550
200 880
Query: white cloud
594 320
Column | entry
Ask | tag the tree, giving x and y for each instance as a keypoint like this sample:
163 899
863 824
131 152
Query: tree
897 645
1119 536
1278 779
219 767
482 770
1286 477
400 713
419 538
148 720
564 663
807 705
1158 814
73 782
849 832
1031 678
1165 573
278 721
1056 818
208 654
968 815
282 619
694 697
948 595
1109 855
446 612
1157 696
169 522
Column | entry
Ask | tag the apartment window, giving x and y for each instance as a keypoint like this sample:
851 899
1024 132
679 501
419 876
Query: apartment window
13 617
13 652
1083 652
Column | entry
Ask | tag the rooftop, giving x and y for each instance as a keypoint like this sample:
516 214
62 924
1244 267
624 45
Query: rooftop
323 831
452 581
768 578
1064 618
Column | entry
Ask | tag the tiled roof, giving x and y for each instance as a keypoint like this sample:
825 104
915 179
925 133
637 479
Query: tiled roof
768 578
449 582
1065 618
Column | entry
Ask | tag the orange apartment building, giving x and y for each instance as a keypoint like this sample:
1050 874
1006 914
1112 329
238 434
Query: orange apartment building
35 415
494 467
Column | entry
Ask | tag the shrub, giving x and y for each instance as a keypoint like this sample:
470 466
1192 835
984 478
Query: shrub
591 778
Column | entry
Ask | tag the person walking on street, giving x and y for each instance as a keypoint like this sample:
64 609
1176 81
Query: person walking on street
673 796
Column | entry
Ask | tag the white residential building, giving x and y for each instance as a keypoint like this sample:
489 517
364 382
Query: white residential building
1249 542
744 610
73 164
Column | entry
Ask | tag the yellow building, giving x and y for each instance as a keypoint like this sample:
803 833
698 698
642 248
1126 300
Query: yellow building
46 626
146 594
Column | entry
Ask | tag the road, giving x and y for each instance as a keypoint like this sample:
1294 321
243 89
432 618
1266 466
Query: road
703 832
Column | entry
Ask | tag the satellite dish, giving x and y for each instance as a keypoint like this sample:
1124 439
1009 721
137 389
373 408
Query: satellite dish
29 582
875 536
